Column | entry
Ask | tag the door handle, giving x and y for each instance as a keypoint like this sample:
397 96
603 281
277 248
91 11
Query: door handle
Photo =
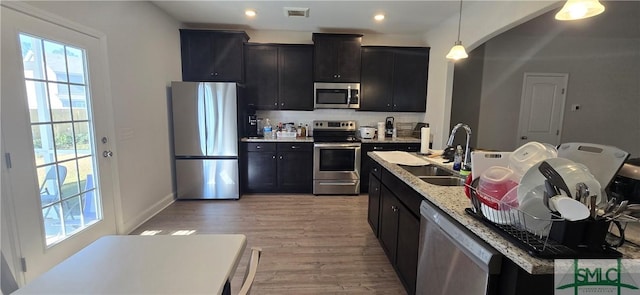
524 137
107 154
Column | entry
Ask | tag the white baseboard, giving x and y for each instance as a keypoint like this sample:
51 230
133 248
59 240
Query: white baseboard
148 214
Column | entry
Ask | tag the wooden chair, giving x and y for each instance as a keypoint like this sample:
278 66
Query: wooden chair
252 268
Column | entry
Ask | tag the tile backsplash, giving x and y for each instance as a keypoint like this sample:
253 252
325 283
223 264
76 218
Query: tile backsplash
363 118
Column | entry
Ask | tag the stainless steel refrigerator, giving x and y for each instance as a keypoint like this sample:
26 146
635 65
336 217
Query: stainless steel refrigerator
205 139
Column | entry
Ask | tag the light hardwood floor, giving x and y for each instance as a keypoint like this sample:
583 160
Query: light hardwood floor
311 244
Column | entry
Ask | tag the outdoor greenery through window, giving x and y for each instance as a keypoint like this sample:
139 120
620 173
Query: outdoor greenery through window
62 130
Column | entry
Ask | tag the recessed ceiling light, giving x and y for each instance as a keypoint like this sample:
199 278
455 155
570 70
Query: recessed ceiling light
379 17
250 13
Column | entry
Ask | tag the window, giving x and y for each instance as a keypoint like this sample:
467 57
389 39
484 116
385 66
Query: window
62 131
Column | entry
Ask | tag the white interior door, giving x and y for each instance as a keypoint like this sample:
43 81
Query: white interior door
542 108
55 113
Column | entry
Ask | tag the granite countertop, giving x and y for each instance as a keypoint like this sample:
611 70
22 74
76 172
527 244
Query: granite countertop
393 140
296 139
453 201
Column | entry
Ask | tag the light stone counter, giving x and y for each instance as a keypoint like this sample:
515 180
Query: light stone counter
393 140
297 139
453 201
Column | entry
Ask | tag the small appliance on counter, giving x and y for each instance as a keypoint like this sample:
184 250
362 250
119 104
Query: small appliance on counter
367 132
388 125
251 123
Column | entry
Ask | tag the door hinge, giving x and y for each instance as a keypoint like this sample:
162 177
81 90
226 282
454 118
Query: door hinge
23 264
7 158
562 90
558 132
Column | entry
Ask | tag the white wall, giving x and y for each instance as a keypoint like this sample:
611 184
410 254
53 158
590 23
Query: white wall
144 57
601 56
481 20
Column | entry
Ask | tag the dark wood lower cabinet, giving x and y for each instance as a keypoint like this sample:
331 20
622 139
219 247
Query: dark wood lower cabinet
389 223
294 171
278 167
261 167
399 235
373 214
408 244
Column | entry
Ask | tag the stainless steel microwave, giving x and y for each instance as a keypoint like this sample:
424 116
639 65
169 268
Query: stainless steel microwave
336 95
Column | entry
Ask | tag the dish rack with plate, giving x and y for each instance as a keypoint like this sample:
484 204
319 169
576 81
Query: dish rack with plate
532 233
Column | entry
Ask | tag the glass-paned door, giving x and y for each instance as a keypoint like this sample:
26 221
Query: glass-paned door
62 132
58 173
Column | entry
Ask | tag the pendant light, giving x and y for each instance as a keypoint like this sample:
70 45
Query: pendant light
457 51
579 9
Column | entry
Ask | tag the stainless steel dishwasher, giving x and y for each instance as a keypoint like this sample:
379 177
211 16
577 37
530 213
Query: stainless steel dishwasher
452 260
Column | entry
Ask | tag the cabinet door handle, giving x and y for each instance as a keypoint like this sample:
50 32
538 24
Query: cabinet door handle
275 104
375 169
375 148
394 208
282 104
274 156
339 76
281 158
293 147
388 104
258 147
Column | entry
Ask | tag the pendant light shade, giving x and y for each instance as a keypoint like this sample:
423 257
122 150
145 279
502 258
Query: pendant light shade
579 9
457 51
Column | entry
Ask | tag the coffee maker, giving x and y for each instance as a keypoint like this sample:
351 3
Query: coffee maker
388 125
251 123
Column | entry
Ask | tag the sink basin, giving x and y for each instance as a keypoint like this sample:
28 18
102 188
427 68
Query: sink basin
443 180
428 170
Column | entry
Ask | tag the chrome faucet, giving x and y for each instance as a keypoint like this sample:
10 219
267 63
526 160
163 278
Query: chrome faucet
467 158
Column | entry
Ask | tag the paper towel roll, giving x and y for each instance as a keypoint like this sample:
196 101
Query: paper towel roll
381 130
425 134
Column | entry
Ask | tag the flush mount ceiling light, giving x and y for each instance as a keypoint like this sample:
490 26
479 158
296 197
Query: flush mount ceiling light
379 17
457 51
579 9
250 13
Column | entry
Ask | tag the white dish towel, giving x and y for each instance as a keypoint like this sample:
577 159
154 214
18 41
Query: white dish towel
402 158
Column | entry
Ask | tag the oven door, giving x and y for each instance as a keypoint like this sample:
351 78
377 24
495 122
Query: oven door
336 161
336 168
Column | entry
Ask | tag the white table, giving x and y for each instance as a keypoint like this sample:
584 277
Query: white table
193 264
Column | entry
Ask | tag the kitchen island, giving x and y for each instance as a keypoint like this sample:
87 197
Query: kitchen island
453 202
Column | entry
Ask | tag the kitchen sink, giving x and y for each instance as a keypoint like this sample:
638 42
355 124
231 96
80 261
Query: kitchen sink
427 170
443 180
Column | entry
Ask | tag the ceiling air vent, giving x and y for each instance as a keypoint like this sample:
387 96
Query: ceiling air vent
296 12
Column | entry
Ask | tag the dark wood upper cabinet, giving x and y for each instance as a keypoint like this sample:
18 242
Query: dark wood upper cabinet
296 77
261 76
212 55
394 79
279 77
337 57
